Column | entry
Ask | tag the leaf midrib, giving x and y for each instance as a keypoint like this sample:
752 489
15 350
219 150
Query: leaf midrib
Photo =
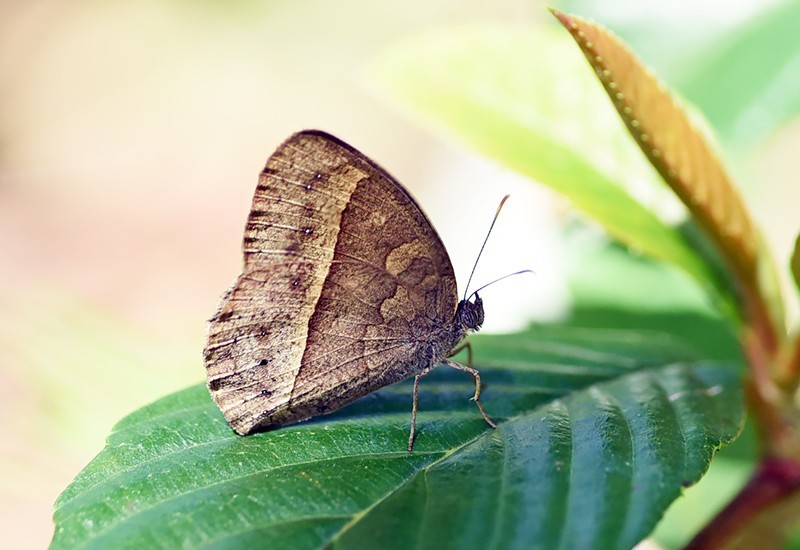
501 503
360 515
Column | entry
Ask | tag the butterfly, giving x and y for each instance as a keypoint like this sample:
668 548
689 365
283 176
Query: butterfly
346 288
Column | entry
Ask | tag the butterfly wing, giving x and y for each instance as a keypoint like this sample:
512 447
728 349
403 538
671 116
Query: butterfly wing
346 288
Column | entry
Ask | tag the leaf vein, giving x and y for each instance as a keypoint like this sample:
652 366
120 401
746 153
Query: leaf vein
257 472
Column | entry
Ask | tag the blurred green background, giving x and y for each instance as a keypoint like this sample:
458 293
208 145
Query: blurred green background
131 135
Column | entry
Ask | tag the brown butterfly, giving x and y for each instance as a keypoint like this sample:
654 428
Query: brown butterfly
346 288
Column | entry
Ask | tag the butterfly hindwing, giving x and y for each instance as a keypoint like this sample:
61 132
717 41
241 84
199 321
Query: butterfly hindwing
346 288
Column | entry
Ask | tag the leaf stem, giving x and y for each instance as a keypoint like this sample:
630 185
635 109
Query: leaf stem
775 481
789 376
776 418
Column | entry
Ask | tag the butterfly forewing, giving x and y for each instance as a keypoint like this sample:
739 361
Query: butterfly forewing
346 288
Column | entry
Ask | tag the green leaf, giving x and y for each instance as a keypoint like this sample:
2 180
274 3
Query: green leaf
702 502
654 297
749 85
599 430
524 98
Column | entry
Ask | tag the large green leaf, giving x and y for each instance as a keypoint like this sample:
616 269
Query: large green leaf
521 97
598 432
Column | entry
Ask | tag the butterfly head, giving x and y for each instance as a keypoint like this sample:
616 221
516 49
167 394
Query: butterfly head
469 315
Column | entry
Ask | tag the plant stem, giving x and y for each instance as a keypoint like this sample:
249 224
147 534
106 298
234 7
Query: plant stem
775 480
789 376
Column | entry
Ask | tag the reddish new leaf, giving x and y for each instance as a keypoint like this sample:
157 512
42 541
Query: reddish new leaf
684 158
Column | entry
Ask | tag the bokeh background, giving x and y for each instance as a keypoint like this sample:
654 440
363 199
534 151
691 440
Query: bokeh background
132 133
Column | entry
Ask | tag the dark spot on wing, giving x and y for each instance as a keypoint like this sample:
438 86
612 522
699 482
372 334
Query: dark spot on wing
225 316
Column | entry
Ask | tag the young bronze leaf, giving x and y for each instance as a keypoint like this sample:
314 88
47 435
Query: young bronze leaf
670 141
680 153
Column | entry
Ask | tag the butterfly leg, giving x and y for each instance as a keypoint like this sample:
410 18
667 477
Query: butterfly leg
477 397
475 374
414 407
459 349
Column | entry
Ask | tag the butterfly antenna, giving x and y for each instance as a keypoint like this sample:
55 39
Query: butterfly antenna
520 272
475 265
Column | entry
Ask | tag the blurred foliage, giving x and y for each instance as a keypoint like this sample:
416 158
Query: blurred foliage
748 83
72 360
654 296
741 71
485 84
